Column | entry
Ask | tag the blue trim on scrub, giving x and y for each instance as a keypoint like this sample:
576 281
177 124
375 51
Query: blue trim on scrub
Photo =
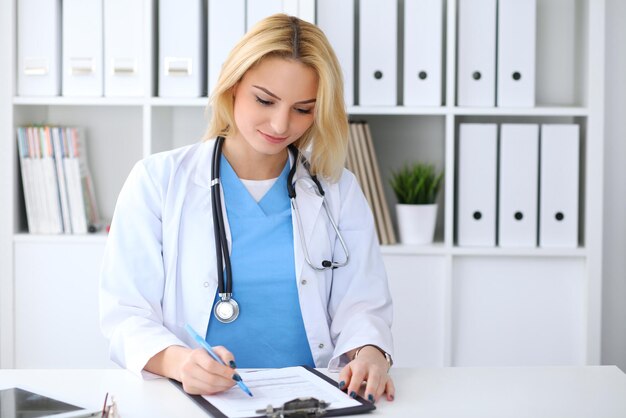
269 331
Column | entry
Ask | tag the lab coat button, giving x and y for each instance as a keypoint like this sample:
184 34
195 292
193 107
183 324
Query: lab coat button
303 282
206 284
321 346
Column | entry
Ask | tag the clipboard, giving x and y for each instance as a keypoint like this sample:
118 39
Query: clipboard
212 410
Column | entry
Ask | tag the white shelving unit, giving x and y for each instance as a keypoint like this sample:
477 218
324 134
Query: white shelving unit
453 306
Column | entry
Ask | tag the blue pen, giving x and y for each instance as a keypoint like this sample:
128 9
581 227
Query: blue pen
209 350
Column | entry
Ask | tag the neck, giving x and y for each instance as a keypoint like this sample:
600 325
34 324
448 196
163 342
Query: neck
250 164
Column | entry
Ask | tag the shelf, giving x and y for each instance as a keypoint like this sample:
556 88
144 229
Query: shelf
522 111
24 237
352 110
520 252
79 101
179 101
442 249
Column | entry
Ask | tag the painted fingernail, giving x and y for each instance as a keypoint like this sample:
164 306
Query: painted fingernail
353 394
236 378
370 398
342 384
392 397
232 364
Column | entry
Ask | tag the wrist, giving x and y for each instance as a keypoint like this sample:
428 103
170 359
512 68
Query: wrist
375 348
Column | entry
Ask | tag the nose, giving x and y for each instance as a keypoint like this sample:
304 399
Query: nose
280 121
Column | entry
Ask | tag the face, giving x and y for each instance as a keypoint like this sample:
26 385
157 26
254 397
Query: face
274 104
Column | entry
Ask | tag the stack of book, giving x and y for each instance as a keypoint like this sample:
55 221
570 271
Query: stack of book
362 162
58 189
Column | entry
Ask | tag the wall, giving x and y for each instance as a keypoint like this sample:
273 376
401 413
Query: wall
614 263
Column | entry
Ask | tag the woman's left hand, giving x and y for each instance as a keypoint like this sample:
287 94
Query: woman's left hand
370 366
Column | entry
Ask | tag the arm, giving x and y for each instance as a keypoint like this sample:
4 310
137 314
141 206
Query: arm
360 306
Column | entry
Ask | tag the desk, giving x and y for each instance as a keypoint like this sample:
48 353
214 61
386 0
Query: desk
551 392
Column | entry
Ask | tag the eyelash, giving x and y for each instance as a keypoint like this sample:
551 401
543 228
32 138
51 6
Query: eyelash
269 103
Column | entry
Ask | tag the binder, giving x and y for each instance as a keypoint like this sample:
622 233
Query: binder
518 183
259 9
38 47
304 9
124 48
336 19
182 48
317 379
227 24
423 46
476 194
378 50
307 10
476 72
559 185
516 53
82 48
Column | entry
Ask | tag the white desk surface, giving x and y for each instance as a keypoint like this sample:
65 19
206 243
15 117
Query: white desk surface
529 392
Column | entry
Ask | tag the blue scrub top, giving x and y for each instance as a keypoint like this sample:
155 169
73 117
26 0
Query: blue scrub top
269 331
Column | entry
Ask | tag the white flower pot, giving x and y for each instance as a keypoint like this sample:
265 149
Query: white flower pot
416 223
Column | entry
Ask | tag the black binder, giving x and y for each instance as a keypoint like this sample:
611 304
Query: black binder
365 406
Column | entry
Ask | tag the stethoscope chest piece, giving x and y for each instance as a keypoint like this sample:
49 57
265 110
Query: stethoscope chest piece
226 310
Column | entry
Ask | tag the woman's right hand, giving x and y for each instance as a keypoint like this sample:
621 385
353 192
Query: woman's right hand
200 374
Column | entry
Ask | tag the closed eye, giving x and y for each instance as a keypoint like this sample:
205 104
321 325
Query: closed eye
304 111
263 102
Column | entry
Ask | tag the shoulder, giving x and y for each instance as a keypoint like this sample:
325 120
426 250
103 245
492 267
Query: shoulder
176 165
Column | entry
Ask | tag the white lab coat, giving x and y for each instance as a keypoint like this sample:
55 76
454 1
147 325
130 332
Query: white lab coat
159 269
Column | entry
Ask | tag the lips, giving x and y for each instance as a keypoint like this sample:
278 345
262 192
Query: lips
273 139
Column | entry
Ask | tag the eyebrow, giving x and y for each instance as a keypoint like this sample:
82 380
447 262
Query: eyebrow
278 98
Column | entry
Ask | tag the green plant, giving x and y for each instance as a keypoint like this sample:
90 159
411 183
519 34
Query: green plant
416 184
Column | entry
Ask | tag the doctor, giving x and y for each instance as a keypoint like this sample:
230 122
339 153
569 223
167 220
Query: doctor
207 234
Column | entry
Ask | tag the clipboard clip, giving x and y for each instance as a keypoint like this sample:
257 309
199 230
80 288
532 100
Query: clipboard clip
297 408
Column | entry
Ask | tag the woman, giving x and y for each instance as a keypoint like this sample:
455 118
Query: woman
280 89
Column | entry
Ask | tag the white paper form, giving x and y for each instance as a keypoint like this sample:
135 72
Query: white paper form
275 387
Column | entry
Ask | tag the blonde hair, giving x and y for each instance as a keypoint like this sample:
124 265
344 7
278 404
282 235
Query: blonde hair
288 37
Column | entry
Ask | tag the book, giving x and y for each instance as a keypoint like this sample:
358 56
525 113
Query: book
58 189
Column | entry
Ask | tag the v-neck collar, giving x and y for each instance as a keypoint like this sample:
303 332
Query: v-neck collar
240 203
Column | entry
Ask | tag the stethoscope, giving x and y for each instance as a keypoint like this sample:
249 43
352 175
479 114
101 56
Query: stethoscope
226 309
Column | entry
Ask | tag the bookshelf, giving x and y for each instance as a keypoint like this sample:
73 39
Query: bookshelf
452 303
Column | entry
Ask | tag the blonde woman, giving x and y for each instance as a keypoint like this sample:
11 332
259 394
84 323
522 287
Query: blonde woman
256 237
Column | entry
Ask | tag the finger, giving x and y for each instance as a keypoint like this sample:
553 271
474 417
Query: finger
390 388
199 386
227 357
344 377
359 374
374 380
201 369
209 364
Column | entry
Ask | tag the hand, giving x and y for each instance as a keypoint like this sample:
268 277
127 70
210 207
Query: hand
370 366
200 374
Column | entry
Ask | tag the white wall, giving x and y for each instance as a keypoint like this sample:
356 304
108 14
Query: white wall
614 263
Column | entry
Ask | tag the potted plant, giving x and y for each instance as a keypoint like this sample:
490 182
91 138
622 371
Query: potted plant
416 187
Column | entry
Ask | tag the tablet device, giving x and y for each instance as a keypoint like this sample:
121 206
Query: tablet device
20 403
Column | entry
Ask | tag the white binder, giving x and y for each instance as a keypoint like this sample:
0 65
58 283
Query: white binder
227 24
476 193
559 184
336 19
476 72
307 10
82 48
423 41
181 48
518 182
260 9
125 70
378 53
516 53
38 48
